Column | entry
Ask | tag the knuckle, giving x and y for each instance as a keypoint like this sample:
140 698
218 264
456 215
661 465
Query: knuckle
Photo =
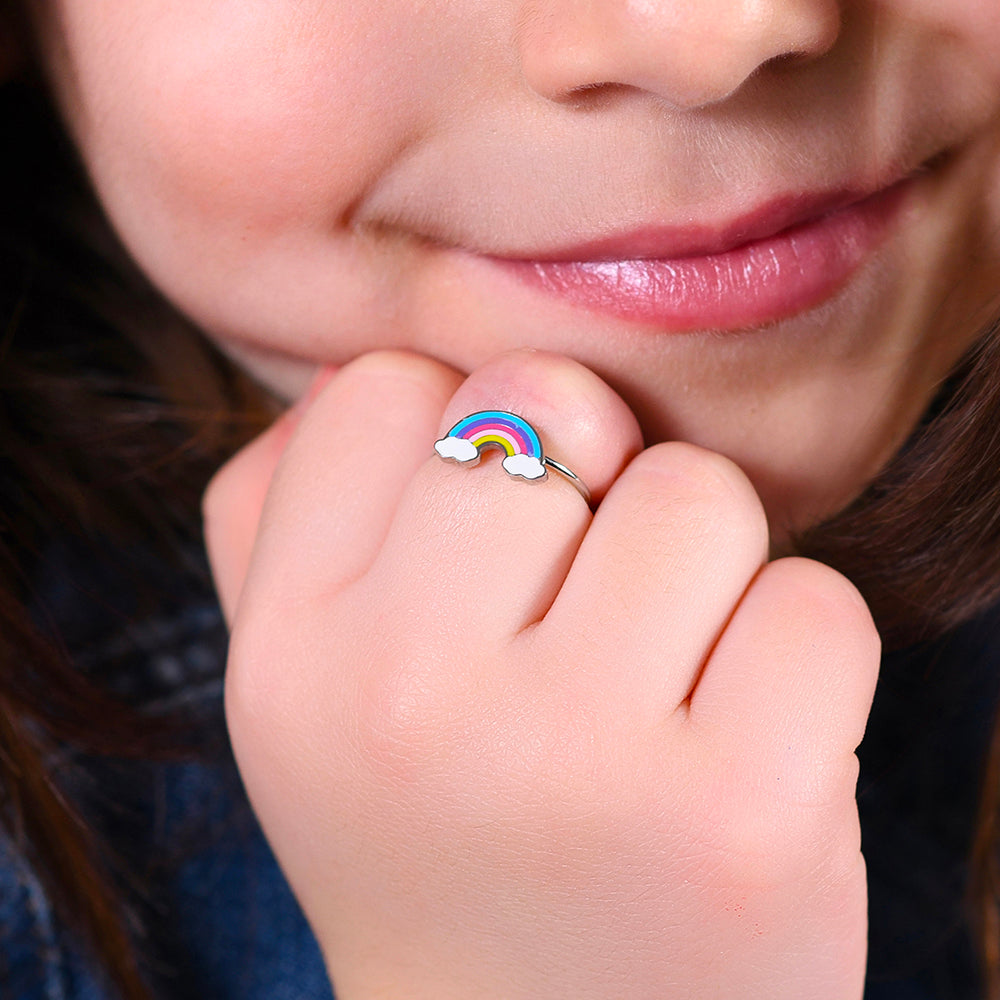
812 591
555 390
677 481
399 368
701 474
532 376
829 633
768 839
580 419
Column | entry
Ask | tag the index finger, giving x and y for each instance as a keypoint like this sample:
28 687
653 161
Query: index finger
339 479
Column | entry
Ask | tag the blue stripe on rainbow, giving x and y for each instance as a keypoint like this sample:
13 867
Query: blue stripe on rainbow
499 429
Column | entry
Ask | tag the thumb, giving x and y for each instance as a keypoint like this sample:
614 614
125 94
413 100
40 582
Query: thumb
234 498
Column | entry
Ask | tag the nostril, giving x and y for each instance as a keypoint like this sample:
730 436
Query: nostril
690 55
596 96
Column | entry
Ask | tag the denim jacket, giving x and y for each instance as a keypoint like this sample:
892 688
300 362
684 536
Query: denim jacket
220 921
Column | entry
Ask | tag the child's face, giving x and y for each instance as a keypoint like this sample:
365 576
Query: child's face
311 180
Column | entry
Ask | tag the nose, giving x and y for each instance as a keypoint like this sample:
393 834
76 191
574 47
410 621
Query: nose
691 53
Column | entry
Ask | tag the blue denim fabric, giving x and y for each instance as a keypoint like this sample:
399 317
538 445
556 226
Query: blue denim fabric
218 919
228 927
239 932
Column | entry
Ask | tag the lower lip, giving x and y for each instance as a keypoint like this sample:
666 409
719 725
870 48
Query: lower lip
751 285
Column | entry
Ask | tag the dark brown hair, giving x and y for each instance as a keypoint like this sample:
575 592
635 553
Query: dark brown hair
922 542
114 412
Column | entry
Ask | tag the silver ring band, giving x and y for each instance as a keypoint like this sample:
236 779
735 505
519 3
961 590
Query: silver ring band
571 476
524 456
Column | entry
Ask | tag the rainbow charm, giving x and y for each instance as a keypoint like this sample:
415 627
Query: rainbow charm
510 433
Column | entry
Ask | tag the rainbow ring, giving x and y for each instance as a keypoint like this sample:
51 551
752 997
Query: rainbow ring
511 434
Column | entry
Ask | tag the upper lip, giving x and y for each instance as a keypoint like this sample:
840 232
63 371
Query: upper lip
673 242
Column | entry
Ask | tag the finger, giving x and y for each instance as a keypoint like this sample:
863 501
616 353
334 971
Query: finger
234 498
497 547
671 550
339 480
793 674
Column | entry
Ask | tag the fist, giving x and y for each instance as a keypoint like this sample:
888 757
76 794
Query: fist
505 747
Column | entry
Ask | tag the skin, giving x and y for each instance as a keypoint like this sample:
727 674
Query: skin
504 747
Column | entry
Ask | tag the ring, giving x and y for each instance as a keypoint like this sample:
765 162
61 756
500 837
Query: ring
524 457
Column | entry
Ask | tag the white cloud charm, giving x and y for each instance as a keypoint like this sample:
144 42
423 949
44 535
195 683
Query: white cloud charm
456 449
524 466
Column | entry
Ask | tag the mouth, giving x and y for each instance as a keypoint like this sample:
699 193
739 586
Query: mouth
772 263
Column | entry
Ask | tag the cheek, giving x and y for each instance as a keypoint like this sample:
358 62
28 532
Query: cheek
249 117
973 26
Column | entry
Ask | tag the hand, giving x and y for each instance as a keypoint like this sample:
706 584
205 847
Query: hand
505 749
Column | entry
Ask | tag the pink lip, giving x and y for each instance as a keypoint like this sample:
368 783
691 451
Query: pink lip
771 264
